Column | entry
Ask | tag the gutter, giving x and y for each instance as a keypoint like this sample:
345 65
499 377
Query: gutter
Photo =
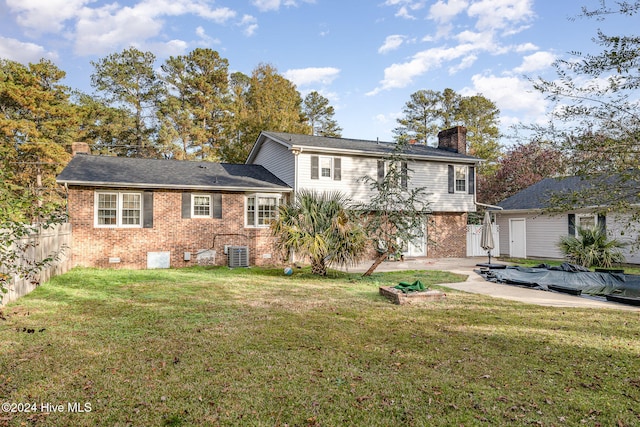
172 186
489 206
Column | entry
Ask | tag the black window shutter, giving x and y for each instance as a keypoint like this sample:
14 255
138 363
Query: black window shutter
315 168
186 205
472 180
602 222
572 224
404 175
452 183
337 168
217 205
147 214
380 171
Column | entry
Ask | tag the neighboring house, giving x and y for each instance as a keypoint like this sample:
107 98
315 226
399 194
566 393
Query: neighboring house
323 163
529 230
145 213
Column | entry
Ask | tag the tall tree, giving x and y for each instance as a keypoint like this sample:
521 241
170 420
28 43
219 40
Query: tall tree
37 125
320 115
237 141
421 117
196 107
128 79
596 121
107 130
480 116
269 103
521 166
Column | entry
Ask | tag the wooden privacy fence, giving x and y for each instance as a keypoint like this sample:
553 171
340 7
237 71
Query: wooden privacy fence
473 241
43 242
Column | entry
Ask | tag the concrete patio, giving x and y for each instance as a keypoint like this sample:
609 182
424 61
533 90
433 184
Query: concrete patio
477 285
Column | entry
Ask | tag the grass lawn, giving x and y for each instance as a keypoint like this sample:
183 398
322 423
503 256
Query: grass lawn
253 347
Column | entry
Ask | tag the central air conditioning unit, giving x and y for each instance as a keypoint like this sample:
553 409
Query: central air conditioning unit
238 256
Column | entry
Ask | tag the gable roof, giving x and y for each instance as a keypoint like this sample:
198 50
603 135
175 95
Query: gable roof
323 144
537 196
104 171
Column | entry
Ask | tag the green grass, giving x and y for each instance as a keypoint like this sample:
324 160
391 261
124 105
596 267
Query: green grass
253 347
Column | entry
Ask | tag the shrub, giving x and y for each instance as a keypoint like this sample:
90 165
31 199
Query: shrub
592 248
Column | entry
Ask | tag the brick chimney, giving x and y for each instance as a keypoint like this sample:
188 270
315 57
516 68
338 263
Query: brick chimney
80 148
454 139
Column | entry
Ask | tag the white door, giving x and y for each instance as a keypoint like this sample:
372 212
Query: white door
518 236
418 247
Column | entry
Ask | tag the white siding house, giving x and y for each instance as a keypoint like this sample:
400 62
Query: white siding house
529 230
322 163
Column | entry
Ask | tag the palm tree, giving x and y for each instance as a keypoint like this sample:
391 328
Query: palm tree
319 226
592 247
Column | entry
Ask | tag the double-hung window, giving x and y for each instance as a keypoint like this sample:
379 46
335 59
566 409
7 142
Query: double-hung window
201 206
326 167
118 209
261 209
461 179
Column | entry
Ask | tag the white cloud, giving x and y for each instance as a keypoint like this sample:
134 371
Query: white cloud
250 24
23 52
45 16
101 29
510 94
269 5
266 5
312 75
392 42
442 11
500 14
401 75
535 62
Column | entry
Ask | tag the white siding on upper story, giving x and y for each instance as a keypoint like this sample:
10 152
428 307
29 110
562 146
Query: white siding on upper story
433 176
278 160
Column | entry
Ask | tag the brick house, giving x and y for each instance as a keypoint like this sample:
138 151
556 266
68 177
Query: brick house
146 213
322 163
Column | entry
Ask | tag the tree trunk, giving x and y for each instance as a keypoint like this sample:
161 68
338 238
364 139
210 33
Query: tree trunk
376 263
318 267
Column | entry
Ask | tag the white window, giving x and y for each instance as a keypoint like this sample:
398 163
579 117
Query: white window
325 167
116 209
261 209
586 221
461 179
200 206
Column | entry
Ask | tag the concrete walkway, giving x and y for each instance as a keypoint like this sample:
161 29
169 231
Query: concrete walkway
477 285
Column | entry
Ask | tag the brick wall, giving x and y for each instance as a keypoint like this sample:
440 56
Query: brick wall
448 231
94 247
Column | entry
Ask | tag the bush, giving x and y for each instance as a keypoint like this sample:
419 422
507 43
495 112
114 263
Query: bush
592 248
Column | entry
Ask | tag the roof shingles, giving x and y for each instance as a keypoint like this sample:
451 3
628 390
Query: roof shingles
153 173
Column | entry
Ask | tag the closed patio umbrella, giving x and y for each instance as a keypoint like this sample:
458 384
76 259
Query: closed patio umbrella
486 235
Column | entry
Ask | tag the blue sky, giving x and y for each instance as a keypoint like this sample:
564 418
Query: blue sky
366 57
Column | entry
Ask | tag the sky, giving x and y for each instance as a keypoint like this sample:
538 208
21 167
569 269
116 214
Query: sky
366 57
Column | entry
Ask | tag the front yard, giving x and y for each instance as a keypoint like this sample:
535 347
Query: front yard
254 347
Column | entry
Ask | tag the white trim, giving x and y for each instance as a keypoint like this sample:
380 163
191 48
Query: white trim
466 179
257 196
118 208
524 236
193 205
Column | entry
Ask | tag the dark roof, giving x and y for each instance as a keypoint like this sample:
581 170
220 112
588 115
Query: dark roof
362 146
179 174
538 195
